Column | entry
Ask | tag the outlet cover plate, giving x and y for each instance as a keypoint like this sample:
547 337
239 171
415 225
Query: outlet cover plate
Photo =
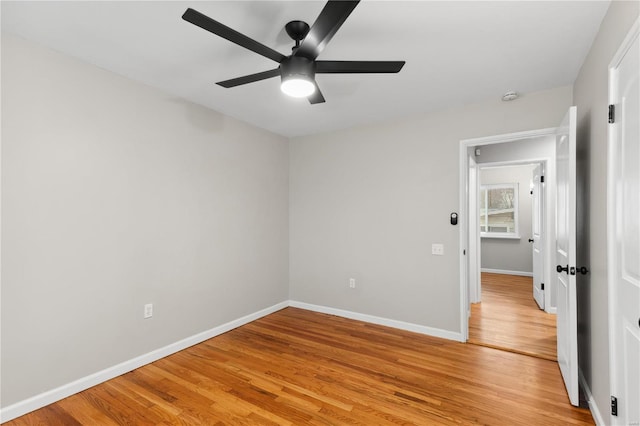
437 249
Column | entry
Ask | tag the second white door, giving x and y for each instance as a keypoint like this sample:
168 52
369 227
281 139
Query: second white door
536 235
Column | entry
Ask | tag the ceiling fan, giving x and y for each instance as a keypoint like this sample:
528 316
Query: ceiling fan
297 71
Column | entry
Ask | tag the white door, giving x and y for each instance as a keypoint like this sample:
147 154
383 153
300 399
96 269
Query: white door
566 253
536 236
624 231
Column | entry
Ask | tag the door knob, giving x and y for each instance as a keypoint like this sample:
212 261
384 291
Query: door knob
583 270
559 269
530 240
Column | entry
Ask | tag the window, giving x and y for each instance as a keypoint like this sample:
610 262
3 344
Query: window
499 210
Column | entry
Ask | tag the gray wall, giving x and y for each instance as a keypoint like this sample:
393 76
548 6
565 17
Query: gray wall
115 195
591 98
503 253
368 203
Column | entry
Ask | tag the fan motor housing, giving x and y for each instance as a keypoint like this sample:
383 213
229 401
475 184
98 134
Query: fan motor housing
293 66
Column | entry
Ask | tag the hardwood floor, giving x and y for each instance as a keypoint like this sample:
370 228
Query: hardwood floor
297 367
509 319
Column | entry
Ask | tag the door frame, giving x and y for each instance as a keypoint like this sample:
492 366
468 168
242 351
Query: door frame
474 284
612 251
474 233
470 269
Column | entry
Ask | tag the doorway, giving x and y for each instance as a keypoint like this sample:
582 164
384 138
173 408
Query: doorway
560 246
514 149
508 312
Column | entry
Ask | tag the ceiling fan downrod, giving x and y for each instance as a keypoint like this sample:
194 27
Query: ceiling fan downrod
297 30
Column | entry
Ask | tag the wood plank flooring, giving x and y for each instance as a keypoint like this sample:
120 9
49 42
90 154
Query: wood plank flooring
297 367
508 318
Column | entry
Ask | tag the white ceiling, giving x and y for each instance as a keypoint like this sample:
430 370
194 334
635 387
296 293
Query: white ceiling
456 52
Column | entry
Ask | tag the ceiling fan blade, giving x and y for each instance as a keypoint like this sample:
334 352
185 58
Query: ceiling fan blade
329 21
316 97
349 67
249 78
215 27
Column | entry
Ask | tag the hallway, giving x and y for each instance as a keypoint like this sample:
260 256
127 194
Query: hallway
509 319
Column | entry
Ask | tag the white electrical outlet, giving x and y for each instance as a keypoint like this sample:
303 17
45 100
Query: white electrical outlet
352 283
437 249
148 310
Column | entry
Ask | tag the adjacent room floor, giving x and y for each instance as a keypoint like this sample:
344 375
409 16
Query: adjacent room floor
508 318
297 367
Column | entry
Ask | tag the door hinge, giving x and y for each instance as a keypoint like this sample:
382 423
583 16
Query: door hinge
541 286
614 406
612 113
542 179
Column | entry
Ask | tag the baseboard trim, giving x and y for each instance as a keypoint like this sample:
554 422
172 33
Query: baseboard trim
430 331
38 401
552 310
595 412
505 272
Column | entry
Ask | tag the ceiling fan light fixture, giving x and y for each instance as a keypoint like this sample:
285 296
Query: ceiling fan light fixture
298 70
297 74
297 86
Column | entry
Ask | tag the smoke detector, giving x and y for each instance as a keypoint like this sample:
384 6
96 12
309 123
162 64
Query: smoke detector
509 96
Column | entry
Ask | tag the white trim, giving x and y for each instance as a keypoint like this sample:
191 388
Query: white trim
513 163
611 241
38 401
422 329
463 195
595 412
474 284
508 137
612 255
505 272
500 236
